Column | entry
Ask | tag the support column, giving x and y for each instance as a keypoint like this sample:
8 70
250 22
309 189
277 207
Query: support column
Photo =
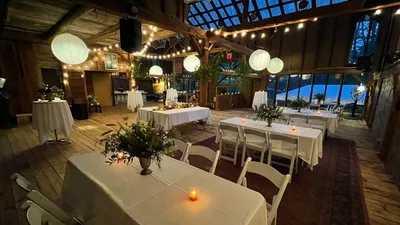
204 84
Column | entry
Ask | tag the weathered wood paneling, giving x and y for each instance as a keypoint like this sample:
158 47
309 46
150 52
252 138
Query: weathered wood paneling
296 57
312 43
342 42
327 34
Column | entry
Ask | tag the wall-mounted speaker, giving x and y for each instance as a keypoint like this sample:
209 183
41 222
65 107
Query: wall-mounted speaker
130 35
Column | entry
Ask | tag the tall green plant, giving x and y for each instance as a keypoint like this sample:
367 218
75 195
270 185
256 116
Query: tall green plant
138 70
210 71
243 71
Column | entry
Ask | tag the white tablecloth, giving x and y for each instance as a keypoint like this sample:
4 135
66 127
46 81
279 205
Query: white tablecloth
50 116
173 117
145 113
260 97
332 119
135 99
172 95
118 194
310 140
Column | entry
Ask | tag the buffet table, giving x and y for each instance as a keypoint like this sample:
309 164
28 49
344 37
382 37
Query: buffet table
51 116
118 194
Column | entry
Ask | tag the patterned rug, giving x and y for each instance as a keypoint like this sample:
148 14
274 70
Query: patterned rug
330 194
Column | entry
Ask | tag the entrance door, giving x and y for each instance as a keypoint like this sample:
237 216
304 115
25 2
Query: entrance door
102 88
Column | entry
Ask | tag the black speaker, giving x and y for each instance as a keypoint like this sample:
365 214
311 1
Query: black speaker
364 63
130 35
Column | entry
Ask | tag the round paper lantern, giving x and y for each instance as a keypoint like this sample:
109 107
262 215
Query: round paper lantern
275 65
155 70
191 63
69 49
259 60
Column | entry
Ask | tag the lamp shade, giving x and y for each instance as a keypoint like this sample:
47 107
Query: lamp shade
275 65
2 82
155 70
259 60
69 49
191 63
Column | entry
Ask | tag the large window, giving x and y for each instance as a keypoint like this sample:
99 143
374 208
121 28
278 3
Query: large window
293 88
365 39
305 86
281 89
350 83
271 89
319 84
333 88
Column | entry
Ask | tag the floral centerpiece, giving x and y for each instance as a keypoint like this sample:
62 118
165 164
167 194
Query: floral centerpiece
144 140
92 100
193 101
49 93
269 113
299 104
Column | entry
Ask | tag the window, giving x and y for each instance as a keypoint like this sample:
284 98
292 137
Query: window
271 89
293 88
365 39
319 84
305 86
333 88
281 89
52 77
350 82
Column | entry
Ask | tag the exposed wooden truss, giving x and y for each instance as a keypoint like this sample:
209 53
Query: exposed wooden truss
230 45
3 13
105 33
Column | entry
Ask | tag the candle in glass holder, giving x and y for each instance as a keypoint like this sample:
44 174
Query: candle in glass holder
293 128
193 195
318 112
243 120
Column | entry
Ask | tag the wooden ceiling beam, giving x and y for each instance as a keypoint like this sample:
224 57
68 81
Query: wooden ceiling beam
145 15
74 14
212 51
102 34
3 13
354 6
230 45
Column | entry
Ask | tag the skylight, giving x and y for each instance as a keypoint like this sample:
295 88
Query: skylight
215 14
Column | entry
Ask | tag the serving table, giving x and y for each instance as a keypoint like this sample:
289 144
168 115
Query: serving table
310 140
118 194
51 116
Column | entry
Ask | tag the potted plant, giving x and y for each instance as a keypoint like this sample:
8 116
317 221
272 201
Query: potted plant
320 98
299 104
144 140
269 113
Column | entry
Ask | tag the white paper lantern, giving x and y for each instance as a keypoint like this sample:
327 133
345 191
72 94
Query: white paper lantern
259 60
191 63
155 70
275 65
69 49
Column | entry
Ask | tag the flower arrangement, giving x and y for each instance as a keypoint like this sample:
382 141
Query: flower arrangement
299 104
50 93
269 113
193 101
92 100
144 140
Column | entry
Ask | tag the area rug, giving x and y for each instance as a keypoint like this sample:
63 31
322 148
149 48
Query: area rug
329 194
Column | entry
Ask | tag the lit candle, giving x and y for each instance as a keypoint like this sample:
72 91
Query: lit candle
120 155
243 120
193 195
39 100
318 112
293 128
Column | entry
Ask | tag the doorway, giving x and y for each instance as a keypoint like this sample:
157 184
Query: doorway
99 84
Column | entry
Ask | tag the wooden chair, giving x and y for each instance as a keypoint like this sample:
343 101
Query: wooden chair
181 146
279 180
229 135
284 146
38 216
256 140
297 118
206 153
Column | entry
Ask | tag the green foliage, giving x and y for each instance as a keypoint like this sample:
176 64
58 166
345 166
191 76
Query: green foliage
137 70
243 71
320 96
175 79
299 103
210 71
269 112
140 139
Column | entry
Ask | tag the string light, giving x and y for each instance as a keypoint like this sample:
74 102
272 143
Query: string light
315 19
263 35
287 29
253 36
378 12
200 41
397 12
244 33
300 25
235 35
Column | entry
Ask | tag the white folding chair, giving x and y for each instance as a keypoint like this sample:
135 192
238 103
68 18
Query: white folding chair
181 146
297 118
318 122
284 146
229 135
279 180
256 140
23 182
206 153
38 216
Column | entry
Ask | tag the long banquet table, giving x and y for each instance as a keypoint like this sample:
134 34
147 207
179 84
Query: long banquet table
310 140
332 119
173 117
118 194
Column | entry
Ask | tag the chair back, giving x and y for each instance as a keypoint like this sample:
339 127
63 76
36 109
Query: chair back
254 136
228 131
207 153
317 120
23 182
297 118
283 141
51 208
279 180
181 146
37 215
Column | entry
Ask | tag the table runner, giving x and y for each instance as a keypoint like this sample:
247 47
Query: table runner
310 140
117 194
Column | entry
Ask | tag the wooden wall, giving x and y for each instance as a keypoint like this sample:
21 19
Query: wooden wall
20 64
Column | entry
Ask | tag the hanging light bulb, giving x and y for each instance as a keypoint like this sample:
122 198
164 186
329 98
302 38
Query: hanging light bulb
253 36
263 35
235 35
287 29
300 26
225 35
243 33
378 12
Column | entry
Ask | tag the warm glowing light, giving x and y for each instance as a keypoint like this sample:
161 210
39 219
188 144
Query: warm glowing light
217 32
243 33
315 19
189 48
116 45
397 12
318 112
193 195
66 75
65 67
225 35
300 26
263 35
120 155
144 32
287 29
235 35
200 41
69 49
259 60
243 120
191 63
378 12
253 36
293 128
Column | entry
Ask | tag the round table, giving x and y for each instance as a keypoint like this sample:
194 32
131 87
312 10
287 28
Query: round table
260 97
135 100
51 116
